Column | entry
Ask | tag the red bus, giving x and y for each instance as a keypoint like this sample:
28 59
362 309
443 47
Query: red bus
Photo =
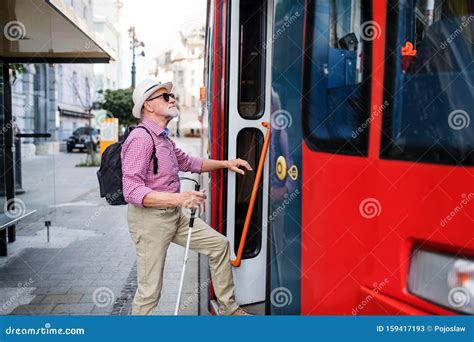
365 203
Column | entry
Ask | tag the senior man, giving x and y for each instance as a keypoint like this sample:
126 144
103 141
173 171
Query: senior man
155 212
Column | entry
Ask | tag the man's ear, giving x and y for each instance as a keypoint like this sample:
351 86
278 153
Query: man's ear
147 106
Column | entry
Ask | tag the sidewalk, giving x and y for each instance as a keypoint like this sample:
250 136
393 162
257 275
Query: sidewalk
88 266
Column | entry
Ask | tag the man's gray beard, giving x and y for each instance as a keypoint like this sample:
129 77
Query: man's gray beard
172 114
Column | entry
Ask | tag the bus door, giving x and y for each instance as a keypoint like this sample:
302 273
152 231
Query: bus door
248 107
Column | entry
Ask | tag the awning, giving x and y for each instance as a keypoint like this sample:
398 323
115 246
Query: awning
47 31
74 112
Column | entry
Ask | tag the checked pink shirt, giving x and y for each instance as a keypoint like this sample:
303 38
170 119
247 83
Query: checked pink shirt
137 168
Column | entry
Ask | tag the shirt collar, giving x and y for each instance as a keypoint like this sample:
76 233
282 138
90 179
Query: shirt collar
155 128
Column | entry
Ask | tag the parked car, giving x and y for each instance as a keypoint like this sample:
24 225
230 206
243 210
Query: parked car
81 138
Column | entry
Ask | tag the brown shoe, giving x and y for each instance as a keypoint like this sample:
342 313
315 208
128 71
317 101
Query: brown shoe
240 312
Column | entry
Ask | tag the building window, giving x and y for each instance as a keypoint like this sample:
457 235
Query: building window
180 78
75 88
60 83
87 92
251 58
336 77
429 80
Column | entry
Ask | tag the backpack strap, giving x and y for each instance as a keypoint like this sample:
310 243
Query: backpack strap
153 156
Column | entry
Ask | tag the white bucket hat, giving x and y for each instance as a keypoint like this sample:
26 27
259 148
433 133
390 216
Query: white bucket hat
143 91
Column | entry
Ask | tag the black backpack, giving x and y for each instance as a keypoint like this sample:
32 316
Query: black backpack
110 171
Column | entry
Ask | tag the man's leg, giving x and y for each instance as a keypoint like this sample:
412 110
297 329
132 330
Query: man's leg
209 242
152 231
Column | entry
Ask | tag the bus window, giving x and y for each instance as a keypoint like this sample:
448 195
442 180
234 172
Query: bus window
336 79
252 58
249 147
430 82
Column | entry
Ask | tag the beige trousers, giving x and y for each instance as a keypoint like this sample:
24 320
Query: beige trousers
152 231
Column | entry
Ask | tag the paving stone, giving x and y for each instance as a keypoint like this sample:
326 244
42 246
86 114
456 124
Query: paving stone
51 290
82 309
36 309
62 299
76 282
47 283
37 299
89 290
63 276
108 282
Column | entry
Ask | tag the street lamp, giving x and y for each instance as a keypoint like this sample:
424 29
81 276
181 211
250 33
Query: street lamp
134 44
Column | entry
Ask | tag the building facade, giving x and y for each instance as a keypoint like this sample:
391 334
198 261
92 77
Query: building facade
183 65
106 27
54 99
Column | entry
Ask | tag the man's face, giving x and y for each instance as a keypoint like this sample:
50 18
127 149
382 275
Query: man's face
158 106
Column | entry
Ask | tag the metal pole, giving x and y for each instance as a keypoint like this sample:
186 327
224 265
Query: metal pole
186 250
3 232
8 145
133 59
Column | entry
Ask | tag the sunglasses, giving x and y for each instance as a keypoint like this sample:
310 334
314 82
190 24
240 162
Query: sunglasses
166 97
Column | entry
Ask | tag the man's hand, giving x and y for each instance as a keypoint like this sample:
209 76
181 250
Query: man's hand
234 165
192 199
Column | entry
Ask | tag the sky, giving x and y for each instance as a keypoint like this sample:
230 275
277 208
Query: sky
157 23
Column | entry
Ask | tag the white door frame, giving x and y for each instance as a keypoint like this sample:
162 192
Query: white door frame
250 277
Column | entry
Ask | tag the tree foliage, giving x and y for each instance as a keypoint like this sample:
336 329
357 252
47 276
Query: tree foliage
17 70
119 103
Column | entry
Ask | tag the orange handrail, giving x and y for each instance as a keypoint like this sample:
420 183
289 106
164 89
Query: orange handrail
253 197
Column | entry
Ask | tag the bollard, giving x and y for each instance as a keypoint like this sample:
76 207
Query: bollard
47 224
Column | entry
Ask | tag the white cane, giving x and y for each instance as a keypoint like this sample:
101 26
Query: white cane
186 251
